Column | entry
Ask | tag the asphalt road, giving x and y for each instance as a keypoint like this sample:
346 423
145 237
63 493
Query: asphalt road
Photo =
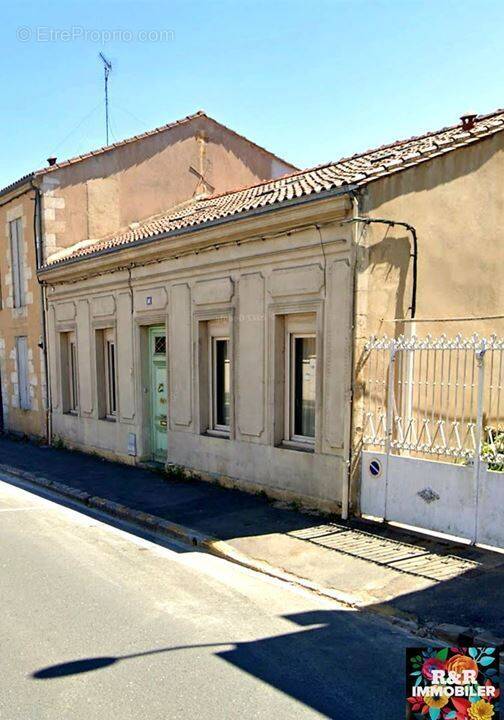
97 622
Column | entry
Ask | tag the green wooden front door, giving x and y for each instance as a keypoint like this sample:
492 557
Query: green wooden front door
158 392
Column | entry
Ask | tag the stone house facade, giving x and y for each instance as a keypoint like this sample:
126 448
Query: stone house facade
219 340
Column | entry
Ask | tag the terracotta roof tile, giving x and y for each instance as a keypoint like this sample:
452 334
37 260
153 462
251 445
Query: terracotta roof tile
17 183
358 169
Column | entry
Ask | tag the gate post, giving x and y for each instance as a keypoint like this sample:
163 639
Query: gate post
389 427
480 360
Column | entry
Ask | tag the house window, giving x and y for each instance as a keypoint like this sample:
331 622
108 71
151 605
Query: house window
110 373
73 377
17 265
215 377
69 372
22 373
159 345
106 373
302 387
300 380
220 384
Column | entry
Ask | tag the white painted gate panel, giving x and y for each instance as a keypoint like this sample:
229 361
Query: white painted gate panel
425 493
437 399
491 509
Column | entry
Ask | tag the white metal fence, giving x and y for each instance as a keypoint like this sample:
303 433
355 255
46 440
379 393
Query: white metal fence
436 397
433 434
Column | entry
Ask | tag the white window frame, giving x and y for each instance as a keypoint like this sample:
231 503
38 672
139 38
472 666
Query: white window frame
216 427
295 328
22 372
17 262
110 371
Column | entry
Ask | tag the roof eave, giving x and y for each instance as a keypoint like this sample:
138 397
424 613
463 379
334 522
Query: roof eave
50 270
25 180
440 153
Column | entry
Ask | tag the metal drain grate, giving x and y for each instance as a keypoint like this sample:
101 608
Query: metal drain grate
395 555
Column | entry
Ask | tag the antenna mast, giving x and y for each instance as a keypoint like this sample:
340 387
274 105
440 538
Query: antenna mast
107 67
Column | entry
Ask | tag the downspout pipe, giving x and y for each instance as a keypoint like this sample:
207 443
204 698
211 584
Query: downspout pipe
345 490
37 234
355 219
413 253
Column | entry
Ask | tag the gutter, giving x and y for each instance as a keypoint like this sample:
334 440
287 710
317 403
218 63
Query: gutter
37 234
295 202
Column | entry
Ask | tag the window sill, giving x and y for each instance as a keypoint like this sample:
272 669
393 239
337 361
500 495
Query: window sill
296 445
109 418
217 434
72 413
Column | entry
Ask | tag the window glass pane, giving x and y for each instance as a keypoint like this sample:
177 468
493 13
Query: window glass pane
222 382
160 345
111 377
74 396
305 365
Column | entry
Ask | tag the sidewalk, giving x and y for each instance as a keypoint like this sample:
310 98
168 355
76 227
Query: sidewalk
431 584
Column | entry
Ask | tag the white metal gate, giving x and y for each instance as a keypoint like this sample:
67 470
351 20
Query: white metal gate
433 434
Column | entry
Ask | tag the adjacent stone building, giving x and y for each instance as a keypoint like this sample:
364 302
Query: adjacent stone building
77 201
22 362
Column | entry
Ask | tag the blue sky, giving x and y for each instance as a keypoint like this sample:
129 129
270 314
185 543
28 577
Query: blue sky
311 80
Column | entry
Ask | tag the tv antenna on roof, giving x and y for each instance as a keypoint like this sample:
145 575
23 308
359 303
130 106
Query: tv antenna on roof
107 67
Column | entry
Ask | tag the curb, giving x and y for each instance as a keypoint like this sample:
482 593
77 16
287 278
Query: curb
444 632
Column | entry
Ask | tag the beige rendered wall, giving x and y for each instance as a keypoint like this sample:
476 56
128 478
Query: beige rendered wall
24 321
102 194
253 285
456 204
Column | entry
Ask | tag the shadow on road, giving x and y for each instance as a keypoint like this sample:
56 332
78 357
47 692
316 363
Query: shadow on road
77 667
340 664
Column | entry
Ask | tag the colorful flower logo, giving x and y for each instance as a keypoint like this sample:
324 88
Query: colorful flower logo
453 683
481 710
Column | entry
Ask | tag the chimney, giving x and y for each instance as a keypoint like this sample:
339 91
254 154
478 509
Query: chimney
468 120
51 161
